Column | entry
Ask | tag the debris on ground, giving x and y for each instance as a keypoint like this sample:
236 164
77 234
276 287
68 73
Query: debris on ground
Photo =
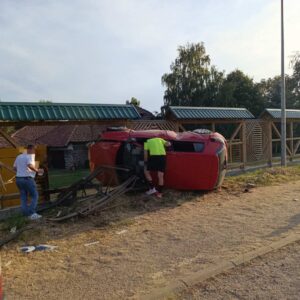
28 249
13 229
92 243
14 235
250 185
88 204
121 232
7 265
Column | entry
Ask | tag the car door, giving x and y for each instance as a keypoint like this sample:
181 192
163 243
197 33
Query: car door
190 167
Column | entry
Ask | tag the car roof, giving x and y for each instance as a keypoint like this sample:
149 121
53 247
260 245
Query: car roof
164 134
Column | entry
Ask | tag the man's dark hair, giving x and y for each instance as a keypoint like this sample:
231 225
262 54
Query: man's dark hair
30 147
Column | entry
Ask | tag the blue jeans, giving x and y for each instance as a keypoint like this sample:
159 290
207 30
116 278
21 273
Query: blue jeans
27 188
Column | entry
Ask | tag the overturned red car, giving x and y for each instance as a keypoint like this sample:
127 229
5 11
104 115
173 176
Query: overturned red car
195 160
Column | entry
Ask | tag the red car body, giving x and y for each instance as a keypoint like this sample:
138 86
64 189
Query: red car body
195 160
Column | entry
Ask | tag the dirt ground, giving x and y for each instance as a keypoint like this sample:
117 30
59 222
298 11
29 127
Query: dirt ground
148 247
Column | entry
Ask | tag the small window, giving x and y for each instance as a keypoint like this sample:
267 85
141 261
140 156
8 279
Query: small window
187 147
199 147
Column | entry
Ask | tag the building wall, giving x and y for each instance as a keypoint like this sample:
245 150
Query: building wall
80 155
76 156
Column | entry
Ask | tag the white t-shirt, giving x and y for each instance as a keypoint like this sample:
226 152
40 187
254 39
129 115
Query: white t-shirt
21 164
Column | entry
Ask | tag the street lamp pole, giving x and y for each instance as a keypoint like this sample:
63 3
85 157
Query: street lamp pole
283 102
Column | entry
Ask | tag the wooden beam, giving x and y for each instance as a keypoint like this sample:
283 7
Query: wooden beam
276 130
279 135
289 150
8 139
244 146
296 147
9 196
2 186
270 144
291 137
55 123
213 127
8 168
208 121
181 127
235 133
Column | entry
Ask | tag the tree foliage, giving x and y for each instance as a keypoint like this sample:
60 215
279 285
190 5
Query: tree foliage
194 81
45 101
134 101
239 90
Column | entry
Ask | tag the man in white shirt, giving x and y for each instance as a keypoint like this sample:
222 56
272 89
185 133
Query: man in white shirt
25 168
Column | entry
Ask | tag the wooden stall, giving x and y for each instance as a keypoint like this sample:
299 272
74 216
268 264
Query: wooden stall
9 195
273 117
231 122
19 114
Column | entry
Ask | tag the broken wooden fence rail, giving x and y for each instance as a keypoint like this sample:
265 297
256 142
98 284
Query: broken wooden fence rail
96 202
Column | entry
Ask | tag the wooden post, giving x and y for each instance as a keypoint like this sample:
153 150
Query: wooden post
270 147
181 127
244 145
213 127
291 135
128 124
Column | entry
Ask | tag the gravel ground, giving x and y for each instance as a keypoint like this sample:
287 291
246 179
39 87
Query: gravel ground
152 247
273 276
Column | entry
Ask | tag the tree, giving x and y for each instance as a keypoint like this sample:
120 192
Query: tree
192 80
271 92
134 101
293 81
44 101
270 88
239 90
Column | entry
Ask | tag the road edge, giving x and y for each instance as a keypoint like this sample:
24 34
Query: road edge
180 283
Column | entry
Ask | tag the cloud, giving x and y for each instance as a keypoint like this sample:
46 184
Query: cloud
111 50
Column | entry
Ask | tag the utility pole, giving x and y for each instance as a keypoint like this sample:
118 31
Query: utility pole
283 102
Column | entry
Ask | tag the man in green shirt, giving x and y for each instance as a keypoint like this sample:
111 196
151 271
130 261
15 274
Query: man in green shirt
155 161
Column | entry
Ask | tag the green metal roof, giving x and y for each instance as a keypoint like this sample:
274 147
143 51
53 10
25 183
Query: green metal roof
182 112
30 111
276 113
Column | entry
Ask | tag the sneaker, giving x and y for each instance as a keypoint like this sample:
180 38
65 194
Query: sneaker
151 192
158 195
35 216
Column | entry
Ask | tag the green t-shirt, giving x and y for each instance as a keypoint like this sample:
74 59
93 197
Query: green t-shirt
155 146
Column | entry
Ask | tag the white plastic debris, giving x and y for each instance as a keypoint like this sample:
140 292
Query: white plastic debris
122 231
28 249
13 229
90 244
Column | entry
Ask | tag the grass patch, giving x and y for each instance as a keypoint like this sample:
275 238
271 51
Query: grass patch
16 220
264 177
63 178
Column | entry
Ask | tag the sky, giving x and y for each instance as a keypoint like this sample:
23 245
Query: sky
107 51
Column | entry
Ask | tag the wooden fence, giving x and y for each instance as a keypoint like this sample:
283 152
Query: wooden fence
251 142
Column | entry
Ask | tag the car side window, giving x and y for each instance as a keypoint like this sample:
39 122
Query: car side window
178 146
199 147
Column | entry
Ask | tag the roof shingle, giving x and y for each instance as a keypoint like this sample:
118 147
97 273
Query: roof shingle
57 136
182 112
276 113
29 111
